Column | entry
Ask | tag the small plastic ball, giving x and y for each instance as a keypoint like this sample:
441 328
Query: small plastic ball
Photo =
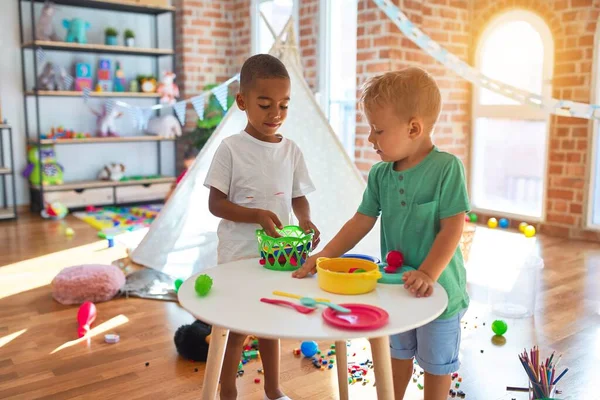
467 218
473 217
503 223
203 285
177 284
522 226
529 231
309 349
69 232
499 327
394 259
492 223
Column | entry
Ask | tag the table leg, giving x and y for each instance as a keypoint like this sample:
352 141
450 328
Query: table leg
382 363
214 362
341 358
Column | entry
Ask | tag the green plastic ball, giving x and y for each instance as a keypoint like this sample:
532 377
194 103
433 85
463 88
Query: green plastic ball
178 283
499 327
473 217
203 285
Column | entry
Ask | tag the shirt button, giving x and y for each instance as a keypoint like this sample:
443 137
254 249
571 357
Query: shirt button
403 203
401 177
401 191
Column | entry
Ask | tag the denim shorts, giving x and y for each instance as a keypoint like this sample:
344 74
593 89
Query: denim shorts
435 345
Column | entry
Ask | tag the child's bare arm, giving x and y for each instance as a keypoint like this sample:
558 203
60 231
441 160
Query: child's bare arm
348 237
221 207
301 209
420 282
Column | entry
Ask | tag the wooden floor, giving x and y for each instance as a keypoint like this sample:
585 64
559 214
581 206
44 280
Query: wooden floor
40 358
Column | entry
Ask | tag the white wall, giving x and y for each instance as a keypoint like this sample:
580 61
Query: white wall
80 161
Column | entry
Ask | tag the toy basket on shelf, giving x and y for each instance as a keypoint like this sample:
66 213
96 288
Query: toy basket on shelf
466 240
285 253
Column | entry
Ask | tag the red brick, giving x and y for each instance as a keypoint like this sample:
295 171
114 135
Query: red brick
576 208
559 205
555 169
573 157
560 218
560 194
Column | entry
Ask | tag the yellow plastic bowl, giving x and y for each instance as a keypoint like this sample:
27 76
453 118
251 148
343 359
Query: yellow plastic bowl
333 275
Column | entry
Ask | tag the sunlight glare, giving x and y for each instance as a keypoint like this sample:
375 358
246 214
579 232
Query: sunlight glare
8 338
103 327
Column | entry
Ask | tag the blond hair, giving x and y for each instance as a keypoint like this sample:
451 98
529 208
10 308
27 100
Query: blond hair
412 92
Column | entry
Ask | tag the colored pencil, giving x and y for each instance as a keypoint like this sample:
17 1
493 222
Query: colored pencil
560 376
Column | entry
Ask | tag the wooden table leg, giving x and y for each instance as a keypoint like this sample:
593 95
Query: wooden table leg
382 363
214 362
341 358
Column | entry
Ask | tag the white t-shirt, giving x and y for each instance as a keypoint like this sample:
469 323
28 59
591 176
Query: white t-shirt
255 174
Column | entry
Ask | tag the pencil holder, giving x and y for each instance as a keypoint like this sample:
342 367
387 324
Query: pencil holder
285 253
538 391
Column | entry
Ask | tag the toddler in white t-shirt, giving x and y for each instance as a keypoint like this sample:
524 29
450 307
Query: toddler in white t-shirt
257 179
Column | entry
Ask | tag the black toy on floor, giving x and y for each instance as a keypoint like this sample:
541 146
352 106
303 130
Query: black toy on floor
192 341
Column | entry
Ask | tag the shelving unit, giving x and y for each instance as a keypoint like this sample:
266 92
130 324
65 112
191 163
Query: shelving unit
82 193
123 139
7 169
74 93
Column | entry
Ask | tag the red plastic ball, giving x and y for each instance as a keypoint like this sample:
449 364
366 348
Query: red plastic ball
394 259
262 261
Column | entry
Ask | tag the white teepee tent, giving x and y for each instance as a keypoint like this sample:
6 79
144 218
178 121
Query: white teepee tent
182 240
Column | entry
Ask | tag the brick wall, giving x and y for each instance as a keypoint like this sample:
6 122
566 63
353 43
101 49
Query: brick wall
382 47
308 37
573 25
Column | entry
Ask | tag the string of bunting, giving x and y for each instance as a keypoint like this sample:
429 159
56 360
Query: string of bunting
565 108
143 114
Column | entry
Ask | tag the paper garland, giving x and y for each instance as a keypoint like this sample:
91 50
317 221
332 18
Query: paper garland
566 108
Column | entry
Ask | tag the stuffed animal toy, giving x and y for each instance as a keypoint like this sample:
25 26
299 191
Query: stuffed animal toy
167 126
52 171
192 341
167 89
76 30
105 122
52 78
44 29
112 172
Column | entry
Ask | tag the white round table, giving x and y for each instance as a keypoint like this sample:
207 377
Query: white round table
234 304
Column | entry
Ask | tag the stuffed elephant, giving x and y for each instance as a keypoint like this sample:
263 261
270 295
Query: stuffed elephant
76 30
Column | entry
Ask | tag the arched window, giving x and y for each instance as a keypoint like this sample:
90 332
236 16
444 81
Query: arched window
277 13
509 148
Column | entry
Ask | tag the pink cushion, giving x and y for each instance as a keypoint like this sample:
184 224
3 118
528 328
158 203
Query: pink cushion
95 283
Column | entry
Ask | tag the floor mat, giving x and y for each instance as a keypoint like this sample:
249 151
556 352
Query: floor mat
111 221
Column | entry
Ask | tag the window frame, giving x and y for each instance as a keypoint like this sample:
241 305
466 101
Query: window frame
593 155
323 73
518 111
255 18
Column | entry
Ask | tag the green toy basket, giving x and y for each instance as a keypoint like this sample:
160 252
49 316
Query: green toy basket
285 253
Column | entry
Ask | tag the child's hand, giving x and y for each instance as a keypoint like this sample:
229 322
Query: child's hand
307 226
309 267
419 283
269 222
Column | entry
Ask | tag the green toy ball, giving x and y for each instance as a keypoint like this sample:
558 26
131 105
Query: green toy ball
499 327
473 217
178 283
203 285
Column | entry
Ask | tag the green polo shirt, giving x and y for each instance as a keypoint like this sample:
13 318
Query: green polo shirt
411 204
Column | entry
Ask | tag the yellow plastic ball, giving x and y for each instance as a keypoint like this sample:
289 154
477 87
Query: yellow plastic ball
522 226
69 231
529 231
492 223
